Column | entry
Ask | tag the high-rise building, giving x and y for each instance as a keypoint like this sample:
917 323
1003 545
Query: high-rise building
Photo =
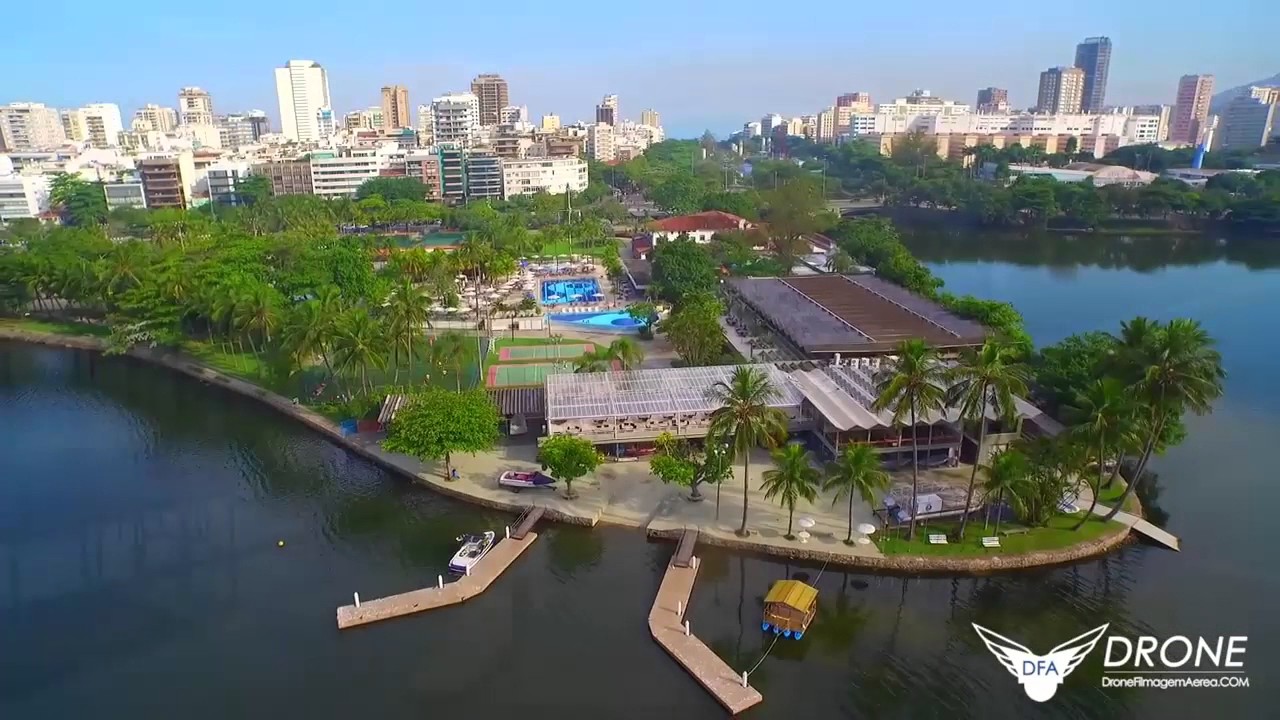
1251 120
859 101
167 179
1061 90
550 123
395 107
30 126
154 117
607 110
1164 113
102 124
769 122
1093 56
827 125
491 93
195 107
1191 108
302 89
650 118
241 129
455 118
993 100
600 142
74 125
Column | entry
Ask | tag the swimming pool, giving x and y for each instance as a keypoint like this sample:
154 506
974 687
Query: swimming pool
610 321
559 292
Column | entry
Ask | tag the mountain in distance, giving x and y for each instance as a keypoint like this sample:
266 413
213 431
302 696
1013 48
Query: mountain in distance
1220 100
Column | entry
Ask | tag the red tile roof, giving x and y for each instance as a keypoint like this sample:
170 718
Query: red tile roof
710 220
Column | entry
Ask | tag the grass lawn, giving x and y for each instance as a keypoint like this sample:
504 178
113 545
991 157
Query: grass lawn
56 328
1057 534
563 247
1110 495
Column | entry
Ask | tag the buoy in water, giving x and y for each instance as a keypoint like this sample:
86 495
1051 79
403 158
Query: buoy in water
279 543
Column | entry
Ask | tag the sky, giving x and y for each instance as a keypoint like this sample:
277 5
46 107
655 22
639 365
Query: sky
705 64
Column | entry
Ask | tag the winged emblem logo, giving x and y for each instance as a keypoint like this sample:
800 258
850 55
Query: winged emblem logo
1040 675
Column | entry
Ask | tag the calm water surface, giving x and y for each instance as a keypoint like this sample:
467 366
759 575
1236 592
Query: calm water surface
139 573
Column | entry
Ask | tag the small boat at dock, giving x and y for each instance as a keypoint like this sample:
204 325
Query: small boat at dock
473 548
789 608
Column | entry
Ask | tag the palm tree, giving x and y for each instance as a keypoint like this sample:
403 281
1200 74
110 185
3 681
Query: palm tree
359 345
597 360
746 420
839 262
987 378
307 332
452 349
1006 476
258 311
794 479
407 314
1176 369
626 352
856 473
1104 417
912 389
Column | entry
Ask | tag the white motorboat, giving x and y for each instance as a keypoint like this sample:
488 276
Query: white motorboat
473 548
517 481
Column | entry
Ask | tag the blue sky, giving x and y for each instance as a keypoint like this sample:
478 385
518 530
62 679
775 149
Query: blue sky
701 63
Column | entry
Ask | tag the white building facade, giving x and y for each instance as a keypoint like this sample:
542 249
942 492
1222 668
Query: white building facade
600 142
455 118
154 117
341 173
302 90
30 126
195 107
549 175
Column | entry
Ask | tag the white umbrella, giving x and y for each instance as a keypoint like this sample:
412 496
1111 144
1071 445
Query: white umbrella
807 523
803 535
866 529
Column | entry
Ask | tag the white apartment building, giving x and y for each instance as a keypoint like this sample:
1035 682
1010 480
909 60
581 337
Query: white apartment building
342 172
74 126
1132 129
128 193
921 102
154 117
600 142
549 175
769 122
370 118
195 107
30 126
302 89
512 114
455 118
102 124
21 196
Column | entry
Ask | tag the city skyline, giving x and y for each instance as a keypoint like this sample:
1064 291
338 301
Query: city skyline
694 91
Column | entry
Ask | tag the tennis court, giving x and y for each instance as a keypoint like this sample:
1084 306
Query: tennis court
524 374
518 353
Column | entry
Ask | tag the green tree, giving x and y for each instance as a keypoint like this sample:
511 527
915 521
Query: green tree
450 349
645 313
407 313
694 330
1005 476
437 423
986 380
360 344
682 269
80 203
391 189
794 478
624 352
746 419
568 458
1174 368
912 389
856 473
839 262
254 190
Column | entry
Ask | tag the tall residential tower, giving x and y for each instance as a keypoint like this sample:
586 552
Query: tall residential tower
491 91
302 88
395 107
1191 108
1061 90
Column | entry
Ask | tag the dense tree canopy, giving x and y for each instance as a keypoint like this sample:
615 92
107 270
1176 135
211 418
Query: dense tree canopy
389 189
437 423
682 269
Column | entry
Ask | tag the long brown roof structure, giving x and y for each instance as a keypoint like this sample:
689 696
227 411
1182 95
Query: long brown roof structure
853 314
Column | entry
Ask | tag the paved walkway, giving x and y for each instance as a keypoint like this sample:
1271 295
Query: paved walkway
1160 535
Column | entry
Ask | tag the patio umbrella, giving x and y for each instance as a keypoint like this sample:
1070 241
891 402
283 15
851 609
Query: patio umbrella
807 523
866 528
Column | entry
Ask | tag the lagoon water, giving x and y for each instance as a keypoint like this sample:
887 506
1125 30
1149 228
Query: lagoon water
140 574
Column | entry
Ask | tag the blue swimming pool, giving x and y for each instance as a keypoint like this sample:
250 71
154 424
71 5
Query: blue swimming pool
559 292
611 321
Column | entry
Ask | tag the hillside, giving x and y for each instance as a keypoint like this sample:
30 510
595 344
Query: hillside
1220 100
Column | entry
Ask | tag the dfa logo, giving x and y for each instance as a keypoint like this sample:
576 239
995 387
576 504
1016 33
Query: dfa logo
1040 675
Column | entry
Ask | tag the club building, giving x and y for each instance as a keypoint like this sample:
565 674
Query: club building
842 327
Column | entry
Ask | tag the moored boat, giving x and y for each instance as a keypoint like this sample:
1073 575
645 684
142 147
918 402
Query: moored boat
473 548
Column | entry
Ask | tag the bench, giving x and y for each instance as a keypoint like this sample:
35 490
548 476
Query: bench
937 539
991 542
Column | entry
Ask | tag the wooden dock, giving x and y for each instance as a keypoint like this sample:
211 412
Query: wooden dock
1144 527
492 565
666 625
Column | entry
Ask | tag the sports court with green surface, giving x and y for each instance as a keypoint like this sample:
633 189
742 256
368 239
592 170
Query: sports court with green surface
528 361
528 353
